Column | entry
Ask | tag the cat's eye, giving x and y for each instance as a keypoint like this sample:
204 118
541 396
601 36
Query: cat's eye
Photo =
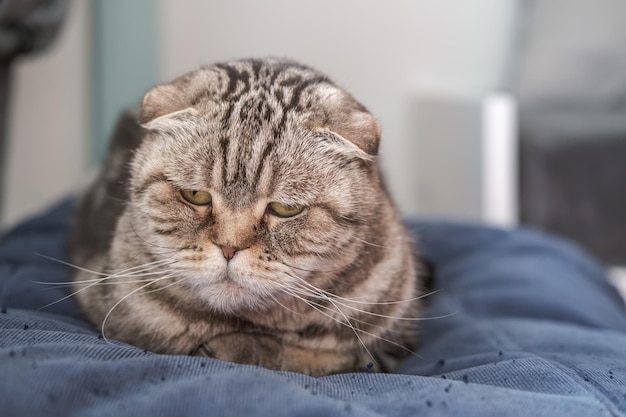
197 197
285 210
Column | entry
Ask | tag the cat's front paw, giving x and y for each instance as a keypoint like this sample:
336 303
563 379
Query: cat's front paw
272 352
252 349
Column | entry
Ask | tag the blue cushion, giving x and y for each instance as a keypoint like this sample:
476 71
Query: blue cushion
521 324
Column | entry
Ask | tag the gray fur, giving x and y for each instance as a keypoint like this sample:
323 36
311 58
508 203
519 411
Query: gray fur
325 291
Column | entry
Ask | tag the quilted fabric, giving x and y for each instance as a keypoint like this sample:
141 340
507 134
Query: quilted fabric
529 326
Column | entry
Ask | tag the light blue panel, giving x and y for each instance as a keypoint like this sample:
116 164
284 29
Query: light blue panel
124 61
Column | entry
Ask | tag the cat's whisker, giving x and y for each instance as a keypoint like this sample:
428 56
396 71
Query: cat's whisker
369 243
72 294
356 301
137 281
362 299
119 200
98 273
148 266
385 328
358 336
151 270
59 261
139 269
378 337
147 271
307 293
346 323
52 286
121 300
325 295
108 277
307 270
167 286
370 313
282 305
56 287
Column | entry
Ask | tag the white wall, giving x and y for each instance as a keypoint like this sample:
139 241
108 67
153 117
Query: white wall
48 133
385 53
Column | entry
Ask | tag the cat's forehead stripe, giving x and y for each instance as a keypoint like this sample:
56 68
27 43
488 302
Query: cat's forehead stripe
283 77
251 123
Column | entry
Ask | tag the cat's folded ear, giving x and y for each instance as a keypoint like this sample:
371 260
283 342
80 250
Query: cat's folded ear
164 108
360 128
334 143
161 100
178 96
351 121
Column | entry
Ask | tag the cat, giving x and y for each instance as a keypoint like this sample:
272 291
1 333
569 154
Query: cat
241 215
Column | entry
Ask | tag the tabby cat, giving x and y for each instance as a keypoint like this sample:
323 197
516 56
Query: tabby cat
241 215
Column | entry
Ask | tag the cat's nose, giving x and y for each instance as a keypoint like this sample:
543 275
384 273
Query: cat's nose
229 252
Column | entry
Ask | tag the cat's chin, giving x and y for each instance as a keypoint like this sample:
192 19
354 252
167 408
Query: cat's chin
228 297
230 292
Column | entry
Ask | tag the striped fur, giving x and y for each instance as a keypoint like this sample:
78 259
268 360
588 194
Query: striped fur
327 290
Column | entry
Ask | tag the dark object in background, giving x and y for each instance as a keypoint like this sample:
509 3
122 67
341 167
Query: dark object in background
25 26
571 85
573 181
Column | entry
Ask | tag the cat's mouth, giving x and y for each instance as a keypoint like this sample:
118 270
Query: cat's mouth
232 287
227 278
230 280
231 290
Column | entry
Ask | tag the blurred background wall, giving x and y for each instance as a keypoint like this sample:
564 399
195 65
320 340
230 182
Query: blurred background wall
65 100
447 80
49 112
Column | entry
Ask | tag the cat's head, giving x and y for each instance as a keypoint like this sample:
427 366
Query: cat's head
256 177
